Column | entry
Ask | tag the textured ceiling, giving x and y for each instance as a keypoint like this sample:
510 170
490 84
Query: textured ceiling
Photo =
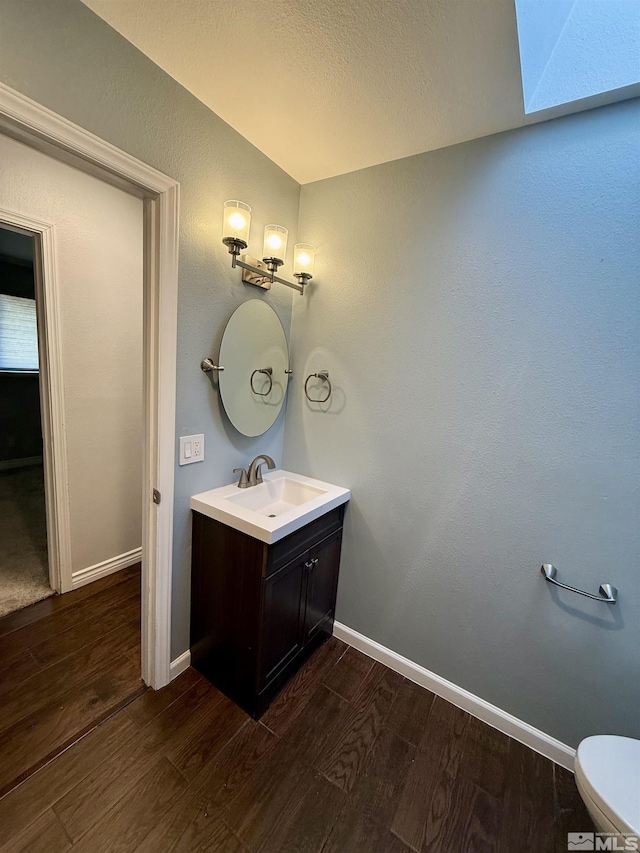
324 87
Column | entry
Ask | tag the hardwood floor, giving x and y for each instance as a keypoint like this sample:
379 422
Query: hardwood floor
66 664
350 758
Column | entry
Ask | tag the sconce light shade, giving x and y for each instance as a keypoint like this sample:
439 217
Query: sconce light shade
275 243
236 222
304 255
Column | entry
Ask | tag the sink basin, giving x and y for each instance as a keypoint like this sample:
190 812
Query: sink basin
280 505
276 495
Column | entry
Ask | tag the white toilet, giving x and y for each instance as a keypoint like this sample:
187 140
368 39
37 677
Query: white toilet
607 774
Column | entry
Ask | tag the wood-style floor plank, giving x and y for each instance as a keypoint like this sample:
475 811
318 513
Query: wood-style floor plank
266 808
188 822
92 608
69 674
30 743
465 817
410 711
222 722
292 699
24 804
208 834
377 839
306 827
58 603
85 633
485 757
347 676
570 813
364 822
44 835
282 779
221 779
483 825
528 804
360 724
154 702
108 782
428 785
16 670
124 826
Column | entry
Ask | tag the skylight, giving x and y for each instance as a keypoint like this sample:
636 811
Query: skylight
574 49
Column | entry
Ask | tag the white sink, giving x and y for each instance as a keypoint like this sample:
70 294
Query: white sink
276 495
280 505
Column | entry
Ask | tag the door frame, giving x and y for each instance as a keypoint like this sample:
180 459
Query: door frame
27 121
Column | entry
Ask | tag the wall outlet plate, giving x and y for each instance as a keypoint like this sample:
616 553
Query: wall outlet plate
191 449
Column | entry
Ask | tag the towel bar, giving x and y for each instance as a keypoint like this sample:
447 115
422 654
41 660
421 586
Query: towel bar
607 593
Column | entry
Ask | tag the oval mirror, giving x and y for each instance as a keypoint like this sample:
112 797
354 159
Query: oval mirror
254 354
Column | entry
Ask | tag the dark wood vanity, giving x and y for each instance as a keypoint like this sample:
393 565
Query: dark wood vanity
258 610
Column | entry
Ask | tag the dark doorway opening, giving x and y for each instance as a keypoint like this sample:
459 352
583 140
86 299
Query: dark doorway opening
24 570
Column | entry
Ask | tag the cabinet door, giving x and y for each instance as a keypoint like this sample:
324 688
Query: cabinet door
322 568
282 618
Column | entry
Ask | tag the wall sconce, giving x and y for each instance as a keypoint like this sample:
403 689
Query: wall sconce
235 235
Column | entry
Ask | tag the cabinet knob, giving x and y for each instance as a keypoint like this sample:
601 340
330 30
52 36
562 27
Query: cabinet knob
309 565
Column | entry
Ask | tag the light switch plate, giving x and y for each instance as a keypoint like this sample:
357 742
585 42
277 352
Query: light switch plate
191 449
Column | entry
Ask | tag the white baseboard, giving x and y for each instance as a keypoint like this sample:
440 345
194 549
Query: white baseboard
9 464
107 567
178 666
543 743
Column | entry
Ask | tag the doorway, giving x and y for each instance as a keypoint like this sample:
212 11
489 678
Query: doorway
24 119
24 564
98 237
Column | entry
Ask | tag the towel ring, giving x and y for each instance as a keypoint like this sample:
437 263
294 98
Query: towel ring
324 376
268 373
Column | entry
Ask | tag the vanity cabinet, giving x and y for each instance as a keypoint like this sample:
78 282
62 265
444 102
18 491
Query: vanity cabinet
258 610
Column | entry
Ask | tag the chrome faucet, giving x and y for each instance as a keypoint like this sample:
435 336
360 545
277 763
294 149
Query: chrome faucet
254 476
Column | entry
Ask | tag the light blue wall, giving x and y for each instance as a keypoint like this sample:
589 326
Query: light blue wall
64 56
477 308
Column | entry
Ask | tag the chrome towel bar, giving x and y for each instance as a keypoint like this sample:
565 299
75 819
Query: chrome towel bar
606 593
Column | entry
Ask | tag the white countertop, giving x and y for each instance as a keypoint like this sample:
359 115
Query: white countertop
280 505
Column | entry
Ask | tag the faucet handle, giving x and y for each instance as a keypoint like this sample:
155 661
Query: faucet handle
243 482
259 473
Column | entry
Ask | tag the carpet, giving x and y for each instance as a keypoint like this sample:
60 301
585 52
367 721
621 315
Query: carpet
24 570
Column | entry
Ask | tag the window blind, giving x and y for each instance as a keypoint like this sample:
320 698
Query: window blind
18 333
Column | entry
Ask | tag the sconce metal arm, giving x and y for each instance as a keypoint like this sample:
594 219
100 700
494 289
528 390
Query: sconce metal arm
236 246
271 276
